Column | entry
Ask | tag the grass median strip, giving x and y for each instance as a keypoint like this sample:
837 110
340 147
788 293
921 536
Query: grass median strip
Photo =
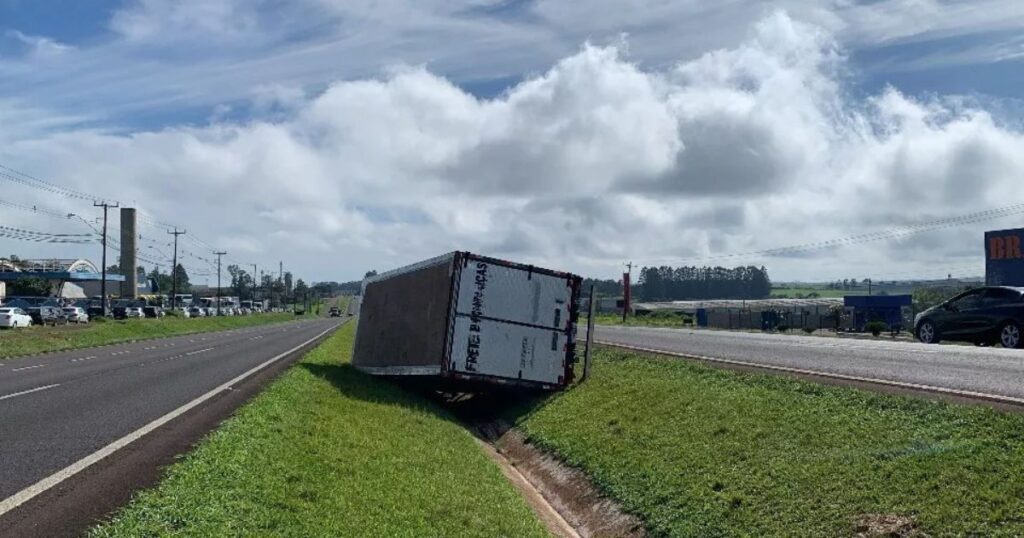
699 451
32 340
329 451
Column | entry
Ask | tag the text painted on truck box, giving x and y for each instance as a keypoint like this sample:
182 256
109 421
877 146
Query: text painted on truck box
476 314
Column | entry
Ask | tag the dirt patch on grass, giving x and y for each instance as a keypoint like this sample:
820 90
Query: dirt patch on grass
886 526
567 489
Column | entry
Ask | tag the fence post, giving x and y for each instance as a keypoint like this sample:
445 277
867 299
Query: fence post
590 337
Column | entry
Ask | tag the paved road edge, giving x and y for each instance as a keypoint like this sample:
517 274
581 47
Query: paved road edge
913 387
27 494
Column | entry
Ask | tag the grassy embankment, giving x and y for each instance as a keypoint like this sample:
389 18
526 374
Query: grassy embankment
328 451
697 451
37 339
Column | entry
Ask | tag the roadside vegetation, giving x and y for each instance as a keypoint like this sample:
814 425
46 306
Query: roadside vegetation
812 293
329 451
698 451
99 332
653 319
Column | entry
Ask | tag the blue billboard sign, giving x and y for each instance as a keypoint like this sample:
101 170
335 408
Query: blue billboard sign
1004 260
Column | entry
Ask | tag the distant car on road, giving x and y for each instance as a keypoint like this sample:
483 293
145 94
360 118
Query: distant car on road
76 314
14 317
985 316
134 312
153 312
97 311
47 315
335 312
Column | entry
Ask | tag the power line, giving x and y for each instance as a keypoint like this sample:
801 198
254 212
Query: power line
36 209
891 233
10 174
44 237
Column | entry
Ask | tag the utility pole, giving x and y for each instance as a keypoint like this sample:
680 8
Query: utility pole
219 254
174 269
254 284
627 285
103 272
280 278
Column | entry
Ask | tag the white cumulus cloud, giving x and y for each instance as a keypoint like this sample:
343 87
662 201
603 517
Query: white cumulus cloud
593 162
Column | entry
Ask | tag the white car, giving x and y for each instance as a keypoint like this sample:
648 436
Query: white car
134 312
196 312
76 314
11 317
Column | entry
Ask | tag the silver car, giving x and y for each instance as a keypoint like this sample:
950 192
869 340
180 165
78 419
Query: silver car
76 314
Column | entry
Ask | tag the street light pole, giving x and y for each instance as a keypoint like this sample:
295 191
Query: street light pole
219 254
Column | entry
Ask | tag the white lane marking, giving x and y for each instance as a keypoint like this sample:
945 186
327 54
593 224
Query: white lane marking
30 391
27 368
80 359
198 352
256 337
900 384
41 486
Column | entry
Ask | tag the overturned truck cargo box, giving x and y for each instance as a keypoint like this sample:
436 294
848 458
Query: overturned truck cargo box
470 318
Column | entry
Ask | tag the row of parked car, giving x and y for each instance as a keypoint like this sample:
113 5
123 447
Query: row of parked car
16 316
202 311
12 317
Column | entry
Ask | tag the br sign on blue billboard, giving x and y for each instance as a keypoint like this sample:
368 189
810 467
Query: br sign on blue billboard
1004 260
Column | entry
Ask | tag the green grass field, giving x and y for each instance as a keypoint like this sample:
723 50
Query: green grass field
654 319
37 339
328 451
697 451
794 293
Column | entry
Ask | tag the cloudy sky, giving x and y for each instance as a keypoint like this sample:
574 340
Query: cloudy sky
345 135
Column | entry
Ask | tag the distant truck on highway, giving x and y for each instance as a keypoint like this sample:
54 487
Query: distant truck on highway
468 321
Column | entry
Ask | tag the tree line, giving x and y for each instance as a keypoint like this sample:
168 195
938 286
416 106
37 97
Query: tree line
687 283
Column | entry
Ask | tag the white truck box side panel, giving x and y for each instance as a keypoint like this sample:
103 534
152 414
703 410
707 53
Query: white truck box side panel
488 290
508 350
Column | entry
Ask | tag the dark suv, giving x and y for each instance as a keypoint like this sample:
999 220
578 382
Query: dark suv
985 316
47 315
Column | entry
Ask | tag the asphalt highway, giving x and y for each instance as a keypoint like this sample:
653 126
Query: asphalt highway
985 371
57 409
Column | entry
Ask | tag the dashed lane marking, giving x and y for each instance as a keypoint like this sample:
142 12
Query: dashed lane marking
27 368
29 391
21 497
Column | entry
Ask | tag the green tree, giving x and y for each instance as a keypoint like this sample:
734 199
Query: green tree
241 283
30 286
301 291
184 285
